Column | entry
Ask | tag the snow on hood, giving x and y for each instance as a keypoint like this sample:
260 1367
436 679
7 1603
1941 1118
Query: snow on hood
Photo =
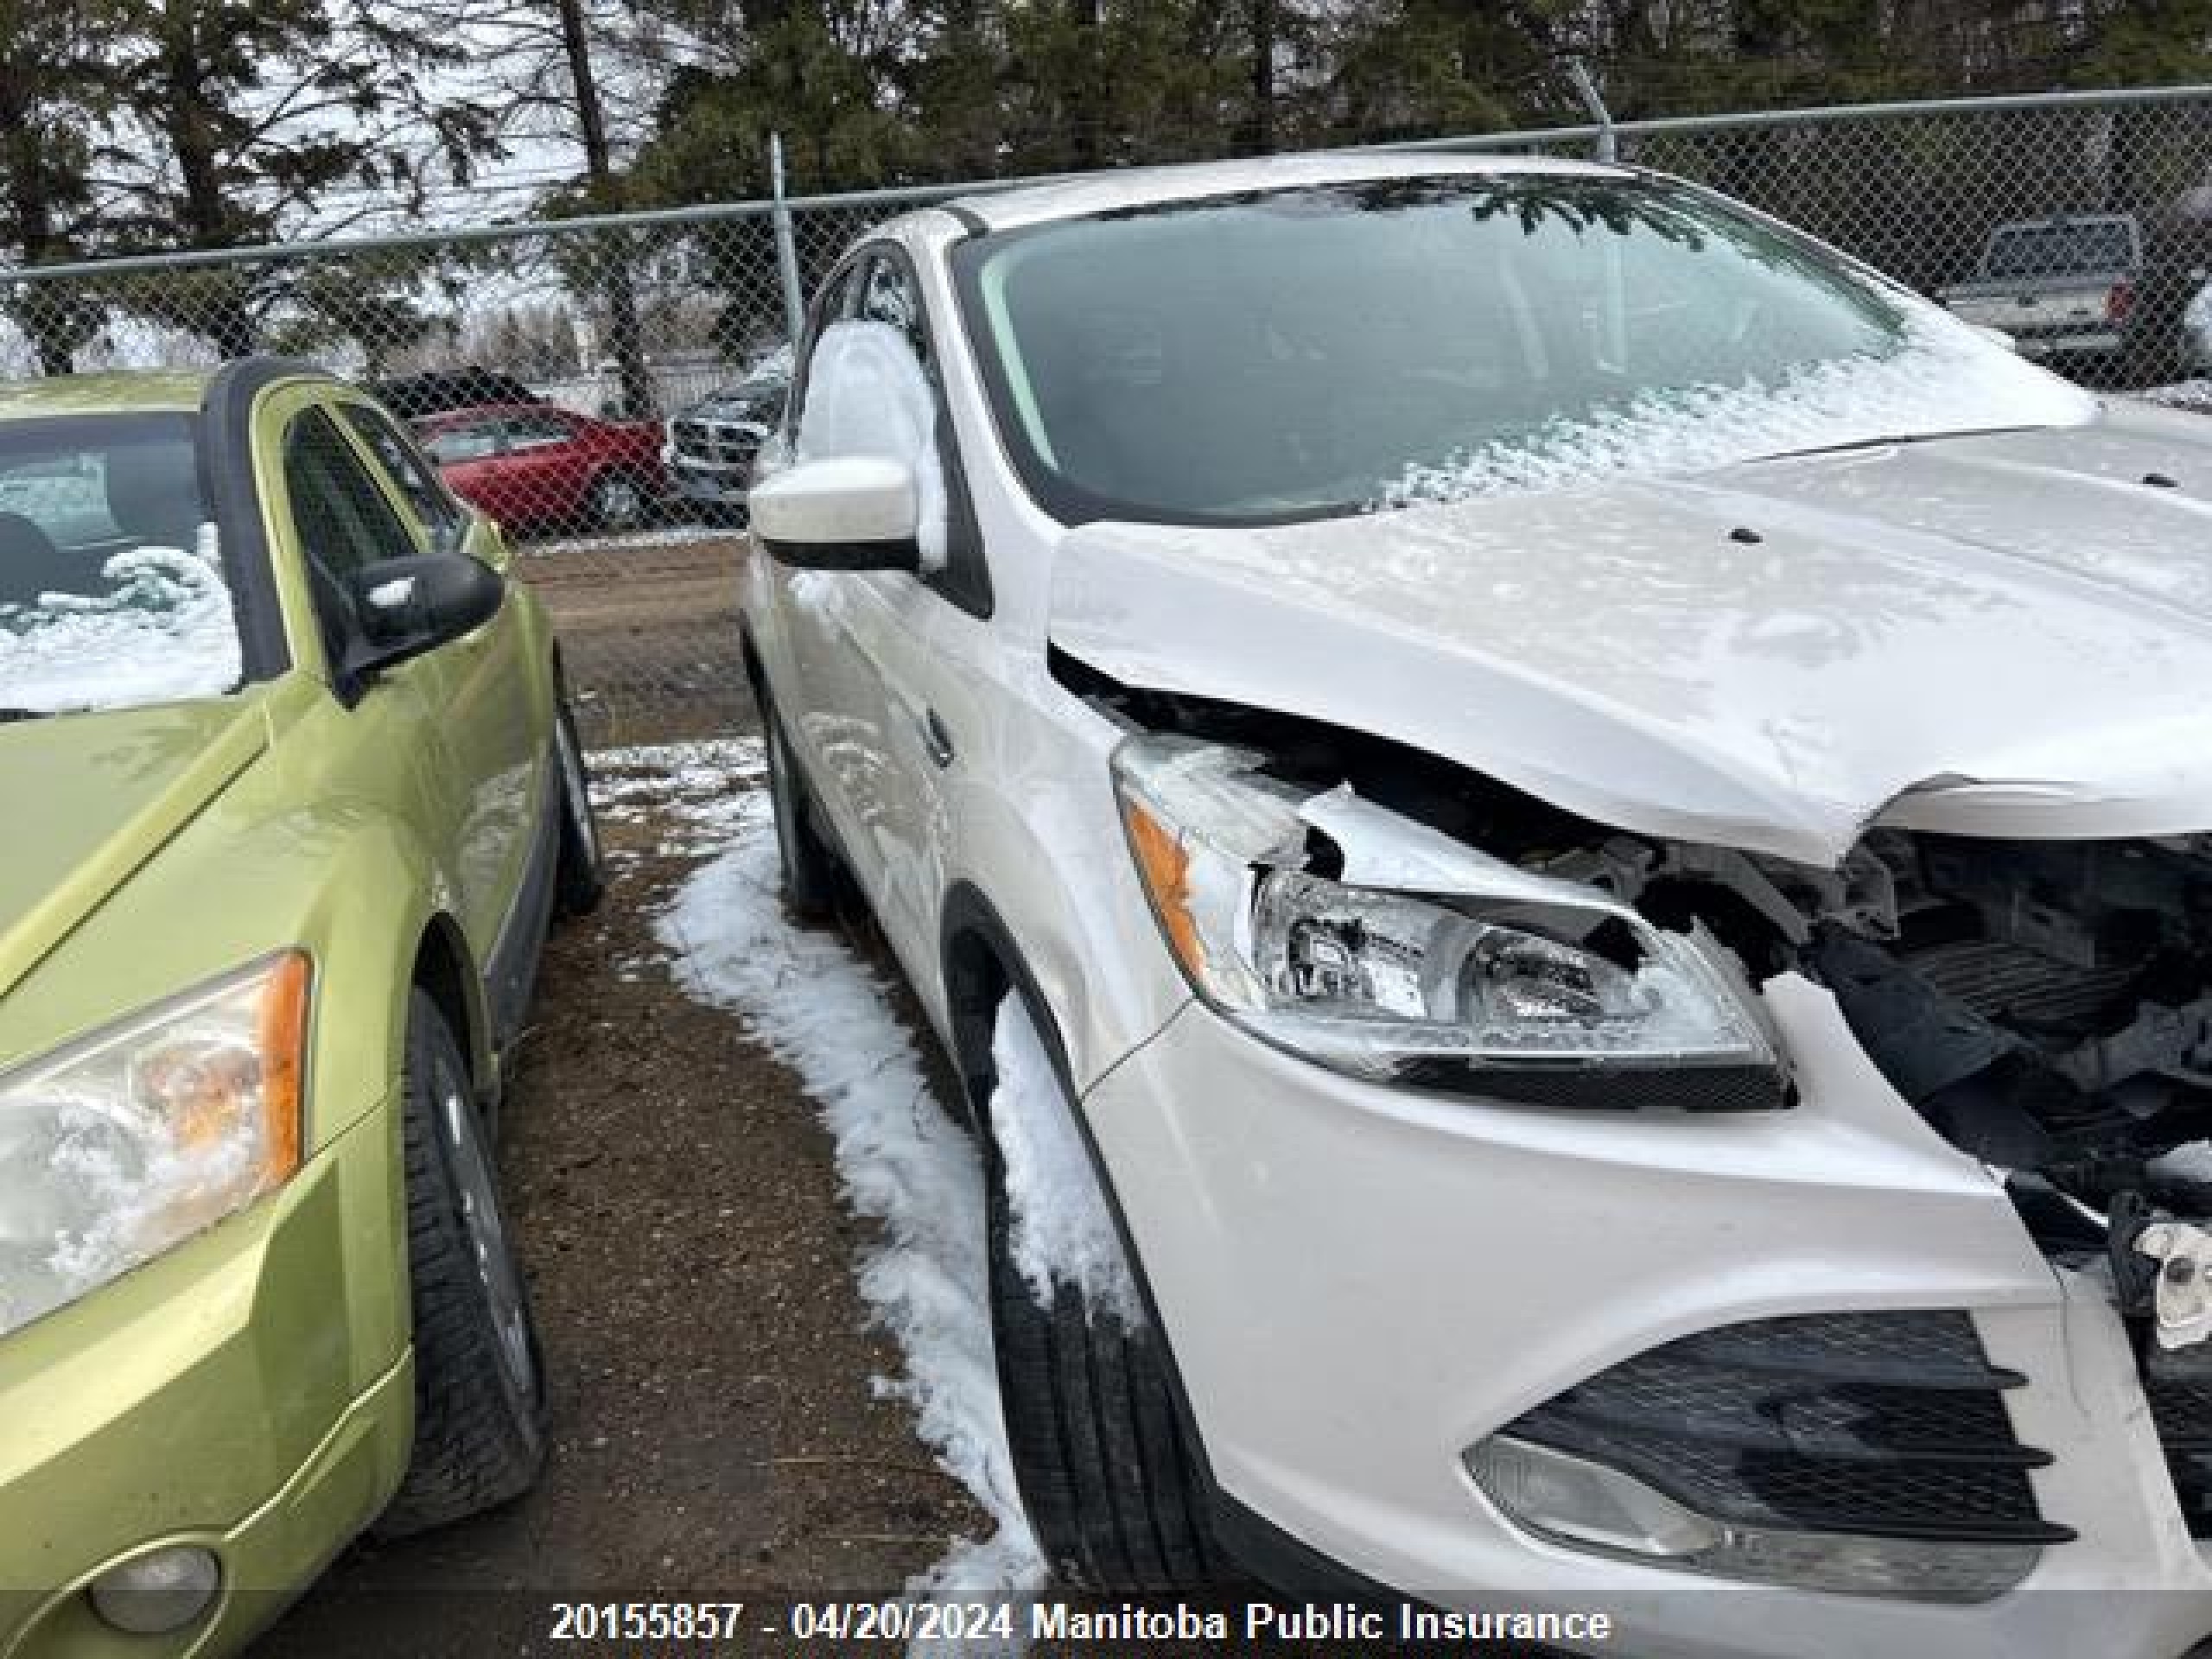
2004 634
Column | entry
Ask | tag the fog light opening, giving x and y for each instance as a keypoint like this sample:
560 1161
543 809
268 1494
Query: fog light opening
1581 1501
1582 1504
161 1590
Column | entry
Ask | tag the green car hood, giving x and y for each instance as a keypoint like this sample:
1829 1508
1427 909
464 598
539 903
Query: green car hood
91 797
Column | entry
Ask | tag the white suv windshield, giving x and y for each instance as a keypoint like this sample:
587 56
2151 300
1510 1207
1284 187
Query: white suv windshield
1324 349
111 587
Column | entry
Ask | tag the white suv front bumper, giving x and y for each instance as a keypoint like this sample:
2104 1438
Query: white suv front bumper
1360 1282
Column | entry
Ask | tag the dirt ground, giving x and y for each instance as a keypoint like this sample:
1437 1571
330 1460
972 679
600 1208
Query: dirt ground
649 631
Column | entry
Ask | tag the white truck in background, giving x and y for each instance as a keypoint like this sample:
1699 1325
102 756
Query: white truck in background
2062 287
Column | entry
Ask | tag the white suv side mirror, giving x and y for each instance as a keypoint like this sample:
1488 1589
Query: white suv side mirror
858 512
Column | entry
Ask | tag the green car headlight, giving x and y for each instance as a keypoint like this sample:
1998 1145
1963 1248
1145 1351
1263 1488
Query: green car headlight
129 1141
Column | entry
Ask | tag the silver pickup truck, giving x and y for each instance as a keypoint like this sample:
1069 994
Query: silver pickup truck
2061 287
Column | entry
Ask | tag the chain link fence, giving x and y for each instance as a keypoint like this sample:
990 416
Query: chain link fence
600 385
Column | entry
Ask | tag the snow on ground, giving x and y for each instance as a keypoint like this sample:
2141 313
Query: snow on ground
2193 395
625 541
164 631
821 1010
697 792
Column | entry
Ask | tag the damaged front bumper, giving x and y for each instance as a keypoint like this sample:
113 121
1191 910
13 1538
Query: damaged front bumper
1362 1284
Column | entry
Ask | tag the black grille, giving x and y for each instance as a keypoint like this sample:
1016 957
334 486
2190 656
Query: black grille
1916 1351
1609 1088
718 445
2181 1405
1889 1425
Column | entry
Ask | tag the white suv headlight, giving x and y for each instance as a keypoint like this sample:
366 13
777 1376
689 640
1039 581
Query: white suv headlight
129 1141
1344 932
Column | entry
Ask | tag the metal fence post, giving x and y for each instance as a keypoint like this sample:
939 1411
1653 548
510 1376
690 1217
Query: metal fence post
786 245
1603 147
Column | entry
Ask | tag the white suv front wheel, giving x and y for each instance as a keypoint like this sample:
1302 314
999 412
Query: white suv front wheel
1106 1467
808 866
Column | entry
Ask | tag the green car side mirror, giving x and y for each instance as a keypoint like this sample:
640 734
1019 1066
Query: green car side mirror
411 605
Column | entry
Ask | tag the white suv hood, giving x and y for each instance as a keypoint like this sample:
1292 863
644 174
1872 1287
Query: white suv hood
2001 635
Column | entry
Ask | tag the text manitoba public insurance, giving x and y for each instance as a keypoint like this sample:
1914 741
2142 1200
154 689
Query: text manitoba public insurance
1266 1621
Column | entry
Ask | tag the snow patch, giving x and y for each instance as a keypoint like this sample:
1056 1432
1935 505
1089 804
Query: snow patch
867 394
2193 395
1059 1229
699 790
164 632
1944 379
903 1162
676 536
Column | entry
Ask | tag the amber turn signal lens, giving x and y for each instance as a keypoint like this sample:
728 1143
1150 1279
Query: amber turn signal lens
1164 864
283 1065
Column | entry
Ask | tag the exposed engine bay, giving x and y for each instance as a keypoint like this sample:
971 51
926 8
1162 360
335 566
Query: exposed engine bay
2046 1005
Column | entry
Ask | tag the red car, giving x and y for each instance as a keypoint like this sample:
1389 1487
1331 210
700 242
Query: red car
532 466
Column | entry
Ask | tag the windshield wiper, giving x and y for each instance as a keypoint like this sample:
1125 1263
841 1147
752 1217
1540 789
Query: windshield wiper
1894 441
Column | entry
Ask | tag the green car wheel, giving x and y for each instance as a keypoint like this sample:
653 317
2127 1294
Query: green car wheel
581 875
480 1400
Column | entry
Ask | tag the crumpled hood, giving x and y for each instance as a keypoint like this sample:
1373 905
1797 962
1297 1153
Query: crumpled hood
90 797
2000 635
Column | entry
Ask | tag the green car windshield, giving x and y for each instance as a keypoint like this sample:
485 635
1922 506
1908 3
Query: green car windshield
112 589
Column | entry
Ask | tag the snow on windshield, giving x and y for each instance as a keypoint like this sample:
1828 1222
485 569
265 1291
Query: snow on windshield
1944 378
162 631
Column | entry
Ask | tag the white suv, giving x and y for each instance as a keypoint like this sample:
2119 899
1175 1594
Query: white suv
1560 838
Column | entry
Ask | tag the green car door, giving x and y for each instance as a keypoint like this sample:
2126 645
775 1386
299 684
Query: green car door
461 729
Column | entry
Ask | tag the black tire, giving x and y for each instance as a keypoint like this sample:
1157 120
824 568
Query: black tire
1106 1469
480 1432
580 876
808 866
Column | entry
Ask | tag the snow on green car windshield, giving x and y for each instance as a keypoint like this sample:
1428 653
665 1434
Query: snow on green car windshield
1338 348
112 591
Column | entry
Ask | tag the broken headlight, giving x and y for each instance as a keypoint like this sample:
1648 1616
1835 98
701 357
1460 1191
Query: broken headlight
1341 931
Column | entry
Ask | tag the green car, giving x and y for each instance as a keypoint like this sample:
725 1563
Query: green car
289 794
